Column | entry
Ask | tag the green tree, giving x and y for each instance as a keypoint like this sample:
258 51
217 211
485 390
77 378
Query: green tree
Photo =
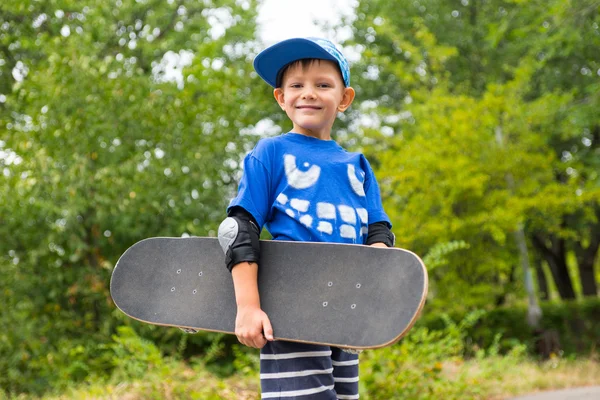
100 148
441 79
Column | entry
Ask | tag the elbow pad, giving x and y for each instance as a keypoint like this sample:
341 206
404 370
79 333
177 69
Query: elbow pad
379 232
239 238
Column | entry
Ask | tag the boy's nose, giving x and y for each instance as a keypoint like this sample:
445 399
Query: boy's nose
308 93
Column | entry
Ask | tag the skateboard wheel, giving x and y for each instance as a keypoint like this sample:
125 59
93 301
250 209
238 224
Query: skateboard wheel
325 304
358 285
353 306
178 271
189 330
330 284
172 289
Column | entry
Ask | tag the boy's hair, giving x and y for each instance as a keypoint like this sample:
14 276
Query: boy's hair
304 63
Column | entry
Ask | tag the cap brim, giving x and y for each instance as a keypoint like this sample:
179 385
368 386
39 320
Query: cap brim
268 62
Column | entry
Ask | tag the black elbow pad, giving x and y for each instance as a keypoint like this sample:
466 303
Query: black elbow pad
239 238
379 232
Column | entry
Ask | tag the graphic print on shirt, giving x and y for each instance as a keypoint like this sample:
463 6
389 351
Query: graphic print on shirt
325 216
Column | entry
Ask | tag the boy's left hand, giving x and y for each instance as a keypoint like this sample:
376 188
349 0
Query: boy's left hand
379 245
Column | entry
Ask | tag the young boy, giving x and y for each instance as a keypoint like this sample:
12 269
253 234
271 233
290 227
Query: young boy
302 186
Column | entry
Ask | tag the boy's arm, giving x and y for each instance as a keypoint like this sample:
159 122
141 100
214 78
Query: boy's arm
239 236
251 321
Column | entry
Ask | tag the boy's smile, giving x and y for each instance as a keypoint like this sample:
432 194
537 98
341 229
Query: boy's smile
312 95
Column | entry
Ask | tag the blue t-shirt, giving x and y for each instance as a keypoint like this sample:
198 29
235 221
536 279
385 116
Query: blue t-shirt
306 189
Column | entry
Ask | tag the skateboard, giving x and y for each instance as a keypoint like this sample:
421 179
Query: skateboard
343 295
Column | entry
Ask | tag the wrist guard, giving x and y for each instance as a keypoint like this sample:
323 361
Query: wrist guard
379 232
239 238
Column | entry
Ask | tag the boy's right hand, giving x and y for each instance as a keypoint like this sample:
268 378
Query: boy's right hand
253 327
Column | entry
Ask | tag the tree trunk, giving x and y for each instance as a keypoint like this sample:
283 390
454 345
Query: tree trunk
541 280
556 256
534 312
586 258
588 278
501 298
560 273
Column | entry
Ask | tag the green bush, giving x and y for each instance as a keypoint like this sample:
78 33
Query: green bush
42 353
577 324
38 355
131 355
417 367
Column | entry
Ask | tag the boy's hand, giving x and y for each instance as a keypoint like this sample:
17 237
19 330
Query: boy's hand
250 323
379 245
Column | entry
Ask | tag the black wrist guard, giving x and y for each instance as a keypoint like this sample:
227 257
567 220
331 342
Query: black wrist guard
239 238
379 232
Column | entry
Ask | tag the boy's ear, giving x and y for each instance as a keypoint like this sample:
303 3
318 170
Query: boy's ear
347 99
278 94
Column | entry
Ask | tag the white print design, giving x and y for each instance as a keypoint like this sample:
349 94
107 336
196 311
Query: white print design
300 205
357 185
363 214
282 199
325 227
301 210
326 213
306 220
348 232
325 210
348 214
298 179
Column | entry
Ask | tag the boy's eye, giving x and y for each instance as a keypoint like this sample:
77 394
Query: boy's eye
324 85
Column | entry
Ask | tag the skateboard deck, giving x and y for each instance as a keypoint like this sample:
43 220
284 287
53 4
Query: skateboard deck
349 296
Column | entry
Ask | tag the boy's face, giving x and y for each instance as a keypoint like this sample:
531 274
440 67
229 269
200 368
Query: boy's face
312 95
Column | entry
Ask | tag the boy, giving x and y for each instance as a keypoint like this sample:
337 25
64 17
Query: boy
302 186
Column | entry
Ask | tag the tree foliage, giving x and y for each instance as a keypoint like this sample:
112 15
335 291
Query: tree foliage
483 114
101 149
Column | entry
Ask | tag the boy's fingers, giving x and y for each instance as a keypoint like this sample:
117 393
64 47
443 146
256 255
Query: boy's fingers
241 339
260 342
256 337
268 329
245 338
256 340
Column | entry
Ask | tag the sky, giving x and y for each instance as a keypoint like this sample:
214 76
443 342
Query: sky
278 20
284 19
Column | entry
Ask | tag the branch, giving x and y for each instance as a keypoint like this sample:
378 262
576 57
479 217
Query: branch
539 243
171 23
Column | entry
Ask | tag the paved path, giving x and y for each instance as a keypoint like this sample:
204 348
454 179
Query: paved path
585 393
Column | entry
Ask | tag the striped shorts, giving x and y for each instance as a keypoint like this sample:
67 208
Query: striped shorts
300 371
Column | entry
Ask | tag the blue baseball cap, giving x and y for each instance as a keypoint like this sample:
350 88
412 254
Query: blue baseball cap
270 61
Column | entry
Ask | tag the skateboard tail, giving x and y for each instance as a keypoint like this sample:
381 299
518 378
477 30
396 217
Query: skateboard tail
176 272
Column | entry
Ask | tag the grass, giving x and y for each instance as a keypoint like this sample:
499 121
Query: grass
554 374
173 380
491 378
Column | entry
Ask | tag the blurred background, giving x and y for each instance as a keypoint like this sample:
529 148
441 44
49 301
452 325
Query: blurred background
121 120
